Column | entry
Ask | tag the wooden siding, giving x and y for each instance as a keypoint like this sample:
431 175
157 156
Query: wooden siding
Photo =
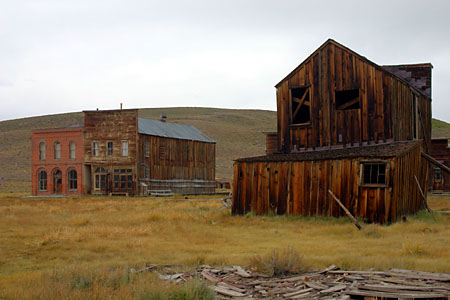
386 103
178 163
301 188
441 152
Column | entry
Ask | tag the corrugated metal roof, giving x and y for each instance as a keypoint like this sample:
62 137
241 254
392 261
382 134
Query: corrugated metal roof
172 130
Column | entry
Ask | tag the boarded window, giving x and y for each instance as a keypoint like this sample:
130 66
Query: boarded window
42 151
109 148
57 150
147 148
347 99
94 148
42 180
162 152
147 171
72 180
374 173
300 105
72 150
124 148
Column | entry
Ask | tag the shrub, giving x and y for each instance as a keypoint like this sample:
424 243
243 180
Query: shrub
279 262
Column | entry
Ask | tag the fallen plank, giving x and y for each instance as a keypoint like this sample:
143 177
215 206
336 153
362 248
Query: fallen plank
227 292
299 292
315 285
241 272
395 295
333 289
347 212
231 287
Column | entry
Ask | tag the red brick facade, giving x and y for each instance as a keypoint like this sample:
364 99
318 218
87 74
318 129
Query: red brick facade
60 176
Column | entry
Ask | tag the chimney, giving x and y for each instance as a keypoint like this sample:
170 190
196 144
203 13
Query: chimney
163 117
120 106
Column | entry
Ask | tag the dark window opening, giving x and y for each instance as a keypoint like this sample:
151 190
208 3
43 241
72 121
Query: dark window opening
162 152
72 180
109 146
437 175
347 99
374 173
42 181
300 103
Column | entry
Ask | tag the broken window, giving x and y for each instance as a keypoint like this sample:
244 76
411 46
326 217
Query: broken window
300 105
147 148
72 180
42 151
124 148
57 150
42 180
347 99
72 149
109 148
94 148
374 173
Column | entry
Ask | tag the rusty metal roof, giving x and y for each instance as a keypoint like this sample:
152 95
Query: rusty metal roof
370 151
172 130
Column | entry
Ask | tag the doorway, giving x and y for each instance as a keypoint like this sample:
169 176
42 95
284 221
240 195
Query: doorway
57 182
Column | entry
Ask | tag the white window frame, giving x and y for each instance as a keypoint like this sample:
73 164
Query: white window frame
147 148
124 148
109 153
42 150
95 148
72 150
57 150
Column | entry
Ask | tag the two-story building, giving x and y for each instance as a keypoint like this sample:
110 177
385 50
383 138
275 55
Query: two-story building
347 126
116 152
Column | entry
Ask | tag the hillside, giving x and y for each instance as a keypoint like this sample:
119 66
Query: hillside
237 133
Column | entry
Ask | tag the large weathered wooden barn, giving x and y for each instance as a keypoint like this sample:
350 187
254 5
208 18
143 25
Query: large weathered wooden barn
345 125
120 153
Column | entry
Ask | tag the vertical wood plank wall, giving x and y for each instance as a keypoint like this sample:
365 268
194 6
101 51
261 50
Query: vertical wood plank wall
301 188
178 159
386 103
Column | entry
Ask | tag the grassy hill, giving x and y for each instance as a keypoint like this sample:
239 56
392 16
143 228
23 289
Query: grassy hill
237 133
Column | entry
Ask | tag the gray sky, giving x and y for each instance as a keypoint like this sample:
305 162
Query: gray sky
63 56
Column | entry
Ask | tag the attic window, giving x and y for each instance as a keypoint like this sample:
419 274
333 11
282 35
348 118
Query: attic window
300 105
374 173
347 99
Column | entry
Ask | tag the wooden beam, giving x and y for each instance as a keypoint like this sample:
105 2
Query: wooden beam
346 210
432 160
350 103
423 195
300 103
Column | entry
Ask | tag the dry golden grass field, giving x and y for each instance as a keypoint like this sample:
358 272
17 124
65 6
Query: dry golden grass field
83 247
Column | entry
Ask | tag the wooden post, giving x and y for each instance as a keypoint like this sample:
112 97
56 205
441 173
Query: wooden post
435 162
346 210
423 195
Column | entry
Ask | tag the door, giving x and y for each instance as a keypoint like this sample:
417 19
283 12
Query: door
57 182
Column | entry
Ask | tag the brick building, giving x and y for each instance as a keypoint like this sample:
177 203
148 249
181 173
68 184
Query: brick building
57 161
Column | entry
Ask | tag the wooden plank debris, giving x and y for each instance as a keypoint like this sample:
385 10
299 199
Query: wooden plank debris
330 283
347 212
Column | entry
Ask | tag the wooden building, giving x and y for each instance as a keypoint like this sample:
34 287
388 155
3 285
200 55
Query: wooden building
347 125
440 181
118 153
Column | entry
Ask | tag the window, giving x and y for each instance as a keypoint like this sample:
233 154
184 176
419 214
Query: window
437 175
147 171
147 148
300 105
347 99
42 180
42 151
72 149
109 148
123 179
94 148
374 173
57 150
124 148
162 152
72 180
100 178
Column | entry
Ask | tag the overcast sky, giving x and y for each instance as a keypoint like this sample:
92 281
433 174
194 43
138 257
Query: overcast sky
64 56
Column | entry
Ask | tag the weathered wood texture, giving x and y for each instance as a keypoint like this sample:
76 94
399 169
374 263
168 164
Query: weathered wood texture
390 109
184 166
301 187
439 180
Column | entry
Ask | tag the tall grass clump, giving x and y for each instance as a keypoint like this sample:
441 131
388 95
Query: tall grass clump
279 262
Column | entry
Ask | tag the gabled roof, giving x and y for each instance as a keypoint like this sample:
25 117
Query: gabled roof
363 58
172 130
379 151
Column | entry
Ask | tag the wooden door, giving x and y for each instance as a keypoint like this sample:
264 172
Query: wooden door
57 182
